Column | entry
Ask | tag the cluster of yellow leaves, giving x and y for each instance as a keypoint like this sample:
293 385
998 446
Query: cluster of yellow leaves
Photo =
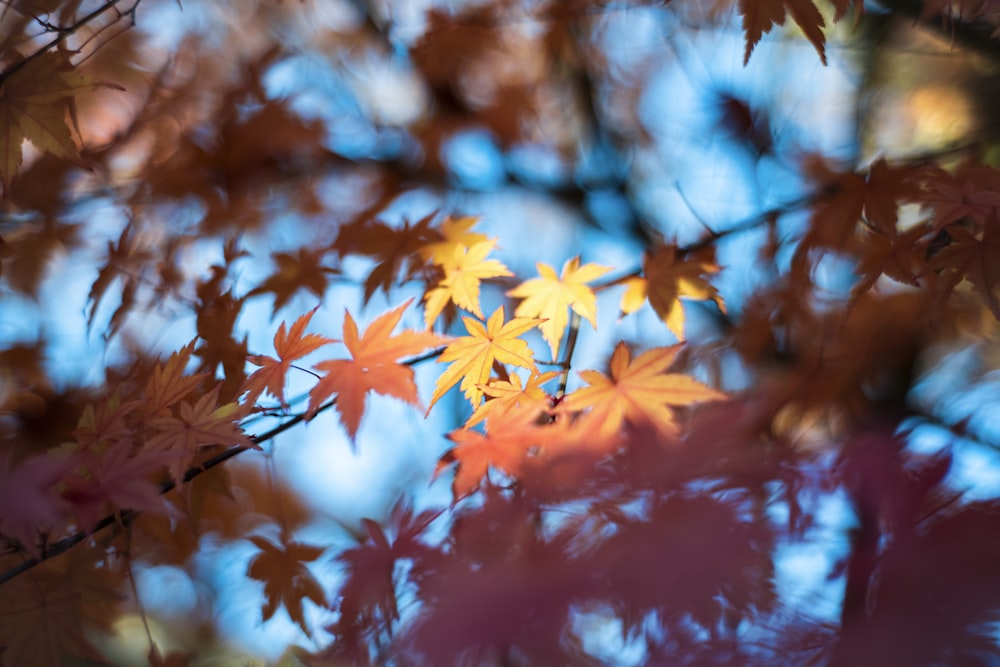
520 419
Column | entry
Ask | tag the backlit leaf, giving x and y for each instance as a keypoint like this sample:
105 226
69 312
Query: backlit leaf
373 366
472 356
638 391
551 296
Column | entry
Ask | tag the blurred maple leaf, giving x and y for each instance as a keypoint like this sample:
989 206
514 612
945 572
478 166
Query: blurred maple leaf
203 424
473 355
456 234
974 259
666 279
463 271
29 500
167 385
393 247
550 297
35 98
290 345
759 16
373 366
638 391
295 272
38 627
286 580
506 443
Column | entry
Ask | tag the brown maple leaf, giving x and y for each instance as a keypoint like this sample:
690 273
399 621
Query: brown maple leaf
974 257
759 16
35 98
393 247
667 277
287 581
40 628
304 270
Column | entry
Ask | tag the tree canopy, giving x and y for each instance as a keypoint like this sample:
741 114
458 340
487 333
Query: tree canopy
581 332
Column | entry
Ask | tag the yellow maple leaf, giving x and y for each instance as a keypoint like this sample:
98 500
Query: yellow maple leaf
456 234
638 391
373 366
666 279
551 297
35 100
462 273
473 355
505 396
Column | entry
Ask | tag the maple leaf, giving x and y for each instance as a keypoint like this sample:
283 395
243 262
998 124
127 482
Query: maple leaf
505 445
639 391
456 234
368 592
204 424
666 280
295 272
505 396
473 355
290 345
168 384
117 476
373 366
462 273
971 191
393 247
286 580
40 628
895 255
550 297
759 16
974 259
29 500
34 102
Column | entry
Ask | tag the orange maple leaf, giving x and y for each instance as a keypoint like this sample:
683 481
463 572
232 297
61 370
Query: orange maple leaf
204 424
473 355
463 271
638 391
759 16
668 278
373 366
168 384
286 580
508 439
290 345
550 297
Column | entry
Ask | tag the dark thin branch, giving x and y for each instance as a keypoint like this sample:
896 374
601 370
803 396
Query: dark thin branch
127 515
63 33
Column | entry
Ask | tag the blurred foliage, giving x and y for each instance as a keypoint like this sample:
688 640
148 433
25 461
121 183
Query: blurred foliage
784 209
